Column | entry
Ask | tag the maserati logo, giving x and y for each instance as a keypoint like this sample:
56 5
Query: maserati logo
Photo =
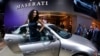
32 3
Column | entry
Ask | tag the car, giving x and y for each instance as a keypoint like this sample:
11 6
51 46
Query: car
54 41
86 7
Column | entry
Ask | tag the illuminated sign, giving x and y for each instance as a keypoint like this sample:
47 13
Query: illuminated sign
31 3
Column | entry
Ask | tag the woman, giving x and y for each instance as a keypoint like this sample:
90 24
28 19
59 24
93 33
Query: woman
33 21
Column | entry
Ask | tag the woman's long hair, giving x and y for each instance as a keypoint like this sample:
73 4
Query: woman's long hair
30 16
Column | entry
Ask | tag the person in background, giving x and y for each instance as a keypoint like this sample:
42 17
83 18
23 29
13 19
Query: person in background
95 32
70 28
85 31
79 29
2 33
98 41
95 36
33 18
90 33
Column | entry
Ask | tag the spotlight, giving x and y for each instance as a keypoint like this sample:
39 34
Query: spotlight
0 0
30 0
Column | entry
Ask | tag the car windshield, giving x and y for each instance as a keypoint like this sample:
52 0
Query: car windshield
61 32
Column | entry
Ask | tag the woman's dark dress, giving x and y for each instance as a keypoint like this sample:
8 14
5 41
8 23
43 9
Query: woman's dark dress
34 34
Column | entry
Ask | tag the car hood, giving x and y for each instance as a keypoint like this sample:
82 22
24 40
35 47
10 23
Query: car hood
81 40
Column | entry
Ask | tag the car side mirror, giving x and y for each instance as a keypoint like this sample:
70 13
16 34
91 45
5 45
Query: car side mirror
51 38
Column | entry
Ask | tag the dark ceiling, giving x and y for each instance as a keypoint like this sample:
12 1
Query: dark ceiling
2 5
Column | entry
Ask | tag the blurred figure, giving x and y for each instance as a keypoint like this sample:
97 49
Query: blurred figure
33 21
79 29
70 28
85 31
98 41
95 32
90 33
2 33
94 38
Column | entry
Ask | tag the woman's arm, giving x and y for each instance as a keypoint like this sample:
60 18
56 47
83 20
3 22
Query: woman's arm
42 25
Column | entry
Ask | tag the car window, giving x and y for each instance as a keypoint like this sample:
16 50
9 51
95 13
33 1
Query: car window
61 32
23 30
44 35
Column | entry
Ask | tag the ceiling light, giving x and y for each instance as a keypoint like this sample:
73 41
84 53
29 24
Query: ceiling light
0 0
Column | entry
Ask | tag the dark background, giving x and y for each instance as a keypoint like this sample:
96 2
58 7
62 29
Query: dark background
2 10
2 5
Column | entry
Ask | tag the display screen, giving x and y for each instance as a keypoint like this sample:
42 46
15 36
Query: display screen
87 7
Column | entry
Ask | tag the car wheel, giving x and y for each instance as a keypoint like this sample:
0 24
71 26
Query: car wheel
80 54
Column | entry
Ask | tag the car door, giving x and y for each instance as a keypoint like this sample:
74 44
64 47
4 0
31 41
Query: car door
51 43
44 47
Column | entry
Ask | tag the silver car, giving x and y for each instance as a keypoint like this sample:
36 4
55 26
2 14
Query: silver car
54 41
